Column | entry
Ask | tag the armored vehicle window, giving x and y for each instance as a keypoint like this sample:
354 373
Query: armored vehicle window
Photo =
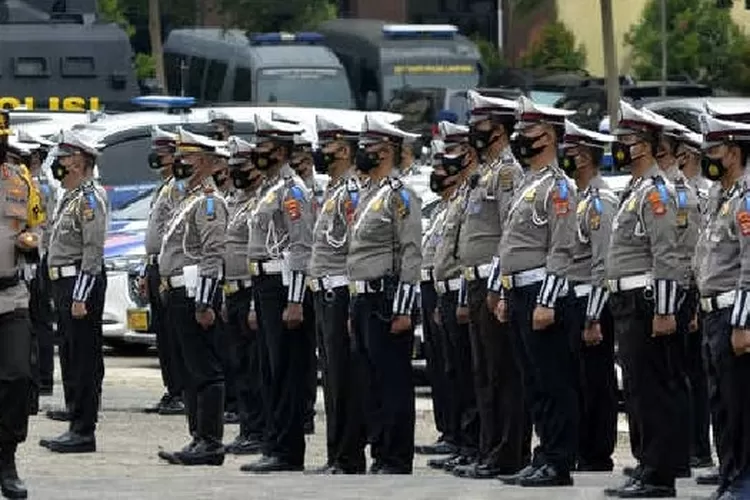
172 64
126 163
31 67
217 71
77 67
243 85
195 76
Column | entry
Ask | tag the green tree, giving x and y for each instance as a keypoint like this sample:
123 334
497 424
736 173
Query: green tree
555 49
703 43
278 15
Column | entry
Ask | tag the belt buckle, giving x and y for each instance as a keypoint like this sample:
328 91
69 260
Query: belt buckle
353 287
375 285
230 288
254 268
54 273
164 285
507 281
469 274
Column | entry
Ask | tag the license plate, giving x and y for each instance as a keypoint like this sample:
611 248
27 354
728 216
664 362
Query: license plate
138 320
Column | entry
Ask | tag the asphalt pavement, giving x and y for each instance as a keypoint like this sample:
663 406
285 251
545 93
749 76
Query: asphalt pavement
126 465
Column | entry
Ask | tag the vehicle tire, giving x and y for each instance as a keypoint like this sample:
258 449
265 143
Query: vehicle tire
122 348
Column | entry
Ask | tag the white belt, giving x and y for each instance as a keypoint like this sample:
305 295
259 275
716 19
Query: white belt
29 272
267 267
327 283
426 274
361 287
451 285
152 259
718 302
524 278
176 281
582 290
477 272
630 283
233 286
57 272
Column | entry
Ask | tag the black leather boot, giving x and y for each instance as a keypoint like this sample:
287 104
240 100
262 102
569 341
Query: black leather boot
10 484
210 421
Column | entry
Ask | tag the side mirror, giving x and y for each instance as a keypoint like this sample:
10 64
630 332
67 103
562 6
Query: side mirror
371 101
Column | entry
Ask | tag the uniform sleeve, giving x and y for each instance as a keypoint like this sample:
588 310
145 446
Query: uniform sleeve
601 213
407 213
93 217
560 206
508 178
659 215
741 310
297 208
210 216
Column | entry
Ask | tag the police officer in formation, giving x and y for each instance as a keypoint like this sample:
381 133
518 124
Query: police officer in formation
721 270
191 261
166 196
76 270
586 303
238 297
278 253
450 179
16 378
329 283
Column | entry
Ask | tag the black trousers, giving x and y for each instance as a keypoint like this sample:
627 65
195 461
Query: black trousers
598 388
686 311
308 325
165 342
40 310
463 416
245 364
550 375
346 434
284 359
434 340
730 397
695 370
15 376
200 364
657 392
388 383
81 358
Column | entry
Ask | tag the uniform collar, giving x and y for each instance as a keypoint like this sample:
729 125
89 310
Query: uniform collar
653 171
597 182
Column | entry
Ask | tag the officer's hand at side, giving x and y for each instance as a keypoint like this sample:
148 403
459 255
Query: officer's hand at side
543 318
492 300
142 287
252 320
26 241
663 325
740 341
592 334
462 315
205 318
78 309
293 316
400 324
224 313
693 326
501 311
436 316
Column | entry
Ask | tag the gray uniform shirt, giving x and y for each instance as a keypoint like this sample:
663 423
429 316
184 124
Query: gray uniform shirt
13 204
49 202
331 232
240 206
486 210
431 237
718 249
539 231
196 234
448 252
645 239
80 228
281 223
164 201
702 187
689 223
386 240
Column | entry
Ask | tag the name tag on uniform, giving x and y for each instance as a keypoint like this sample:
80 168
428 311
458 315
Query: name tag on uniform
682 219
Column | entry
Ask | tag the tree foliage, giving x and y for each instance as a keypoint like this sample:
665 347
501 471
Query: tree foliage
703 43
555 49
278 15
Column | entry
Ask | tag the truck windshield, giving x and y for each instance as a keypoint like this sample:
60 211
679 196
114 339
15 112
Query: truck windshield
311 87
461 81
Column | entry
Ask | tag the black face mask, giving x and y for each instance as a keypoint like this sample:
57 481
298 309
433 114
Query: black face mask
367 161
480 139
262 159
438 182
296 164
525 147
220 179
155 161
59 171
322 161
621 156
713 169
568 164
241 178
182 170
453 164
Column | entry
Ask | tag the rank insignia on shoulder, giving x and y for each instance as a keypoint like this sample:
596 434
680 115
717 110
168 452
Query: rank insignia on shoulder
595 221
529 195
581 207
89 205
403 203
561 205
743 222
657 204
682 219
328 206
293 208
506 179
297 192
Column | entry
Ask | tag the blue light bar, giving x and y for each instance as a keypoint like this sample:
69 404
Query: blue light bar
286 38
163 101
433 31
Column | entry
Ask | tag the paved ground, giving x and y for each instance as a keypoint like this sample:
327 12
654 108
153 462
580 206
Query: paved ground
126 466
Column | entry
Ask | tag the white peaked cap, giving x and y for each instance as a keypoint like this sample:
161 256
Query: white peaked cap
450 133
715 131
530 113
668 127
239 150
727 109
436 147
219 116
160 138
376 129
483 106
21 148
336 128
29 138
72 139
187 141
271 128
308 135
691 139
637 121
575 135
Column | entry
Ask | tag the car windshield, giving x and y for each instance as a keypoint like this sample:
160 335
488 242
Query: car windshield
138 209
418 106
545 98
312 87
393 83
